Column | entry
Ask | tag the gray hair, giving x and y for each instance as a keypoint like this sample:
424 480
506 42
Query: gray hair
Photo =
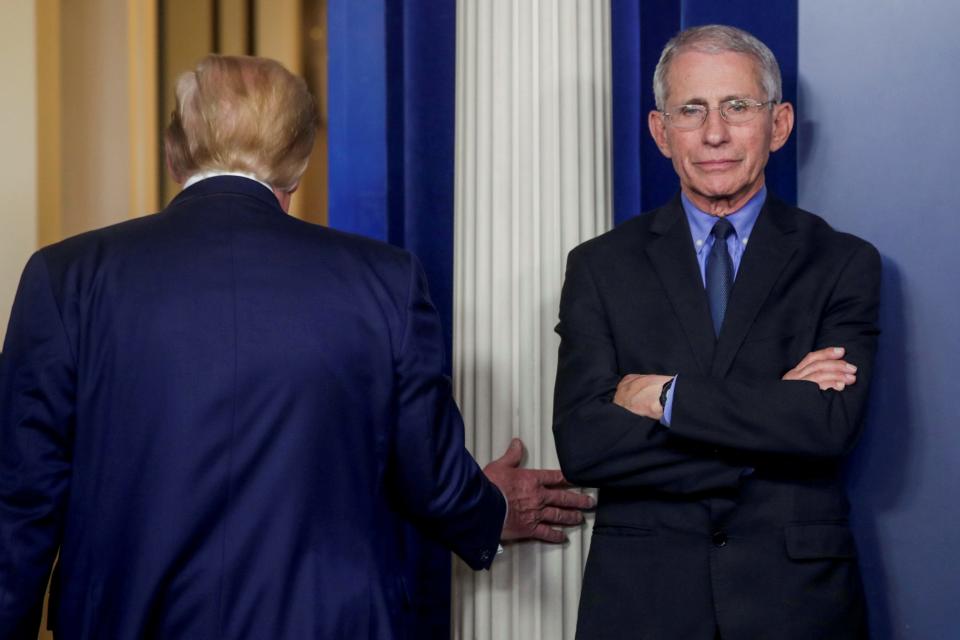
718 38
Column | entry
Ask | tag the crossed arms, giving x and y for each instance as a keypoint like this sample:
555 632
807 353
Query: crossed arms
606 421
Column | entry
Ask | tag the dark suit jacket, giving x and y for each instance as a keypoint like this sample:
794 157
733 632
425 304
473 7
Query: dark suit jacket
225 415
735 517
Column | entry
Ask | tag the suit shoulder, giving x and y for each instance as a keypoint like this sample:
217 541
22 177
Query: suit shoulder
360 258
166 227
824 232
625 236
96 240
363 247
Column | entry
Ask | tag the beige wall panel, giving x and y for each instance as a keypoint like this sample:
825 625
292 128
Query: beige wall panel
95 149
142 101
49 166
278 32
18 162
233 27
188 37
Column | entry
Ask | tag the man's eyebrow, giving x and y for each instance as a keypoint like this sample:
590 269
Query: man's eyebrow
726 98
735 97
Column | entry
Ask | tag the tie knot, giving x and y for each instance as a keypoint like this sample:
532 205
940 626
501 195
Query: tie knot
722 229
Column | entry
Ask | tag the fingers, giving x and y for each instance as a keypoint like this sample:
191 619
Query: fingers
628 386
513 455
632 383
568 499
539 524
825 368
548 534
636 381
829 381
838 368
534 513
830 353
537 503
640 394
549 477
563 517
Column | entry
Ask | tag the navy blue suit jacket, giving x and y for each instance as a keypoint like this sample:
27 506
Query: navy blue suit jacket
223 416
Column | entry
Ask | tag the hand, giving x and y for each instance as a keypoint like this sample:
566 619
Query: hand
826 368
536 498
641 394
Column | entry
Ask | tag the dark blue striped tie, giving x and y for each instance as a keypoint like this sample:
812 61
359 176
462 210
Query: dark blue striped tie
719 273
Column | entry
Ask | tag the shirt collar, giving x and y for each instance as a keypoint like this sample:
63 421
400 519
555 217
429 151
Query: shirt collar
743 219
203 175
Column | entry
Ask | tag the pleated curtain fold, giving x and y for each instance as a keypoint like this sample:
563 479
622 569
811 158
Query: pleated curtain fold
533 180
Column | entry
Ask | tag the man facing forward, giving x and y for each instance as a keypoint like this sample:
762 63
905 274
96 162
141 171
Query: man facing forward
223 416
710 386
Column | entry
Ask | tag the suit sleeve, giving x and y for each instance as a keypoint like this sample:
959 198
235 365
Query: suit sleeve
440 484
794 417
601 444
37 408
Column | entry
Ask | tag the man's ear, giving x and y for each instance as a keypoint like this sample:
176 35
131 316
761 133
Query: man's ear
782 125
658 129
285 195
173 174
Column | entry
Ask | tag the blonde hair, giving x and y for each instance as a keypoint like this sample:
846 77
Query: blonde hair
245 114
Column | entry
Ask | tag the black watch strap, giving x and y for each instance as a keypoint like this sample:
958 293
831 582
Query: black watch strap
663 392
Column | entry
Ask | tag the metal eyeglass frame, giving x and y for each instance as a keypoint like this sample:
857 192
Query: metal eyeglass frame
754 106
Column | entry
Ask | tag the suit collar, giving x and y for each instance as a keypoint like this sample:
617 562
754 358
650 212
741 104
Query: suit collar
673 257
228 185
667 216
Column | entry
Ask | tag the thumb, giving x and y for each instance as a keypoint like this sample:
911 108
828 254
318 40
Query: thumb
513 454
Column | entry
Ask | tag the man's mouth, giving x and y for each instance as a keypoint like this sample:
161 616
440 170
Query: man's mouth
716 165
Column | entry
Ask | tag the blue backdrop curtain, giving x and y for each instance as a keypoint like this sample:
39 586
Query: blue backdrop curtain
391 143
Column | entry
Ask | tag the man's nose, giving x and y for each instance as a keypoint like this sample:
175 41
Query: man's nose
715 129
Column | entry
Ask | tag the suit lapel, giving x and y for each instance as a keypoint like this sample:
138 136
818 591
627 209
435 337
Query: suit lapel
771 246
675 262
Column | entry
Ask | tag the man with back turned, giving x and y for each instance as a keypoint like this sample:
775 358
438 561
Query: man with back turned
223 417
714 363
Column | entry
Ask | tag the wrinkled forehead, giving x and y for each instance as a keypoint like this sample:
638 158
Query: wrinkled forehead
710 77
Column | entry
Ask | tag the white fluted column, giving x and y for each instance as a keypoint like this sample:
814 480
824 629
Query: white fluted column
532 182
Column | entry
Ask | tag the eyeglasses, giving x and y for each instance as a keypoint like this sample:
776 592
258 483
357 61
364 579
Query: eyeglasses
737 111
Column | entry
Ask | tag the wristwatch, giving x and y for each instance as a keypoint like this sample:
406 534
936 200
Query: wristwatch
663 392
